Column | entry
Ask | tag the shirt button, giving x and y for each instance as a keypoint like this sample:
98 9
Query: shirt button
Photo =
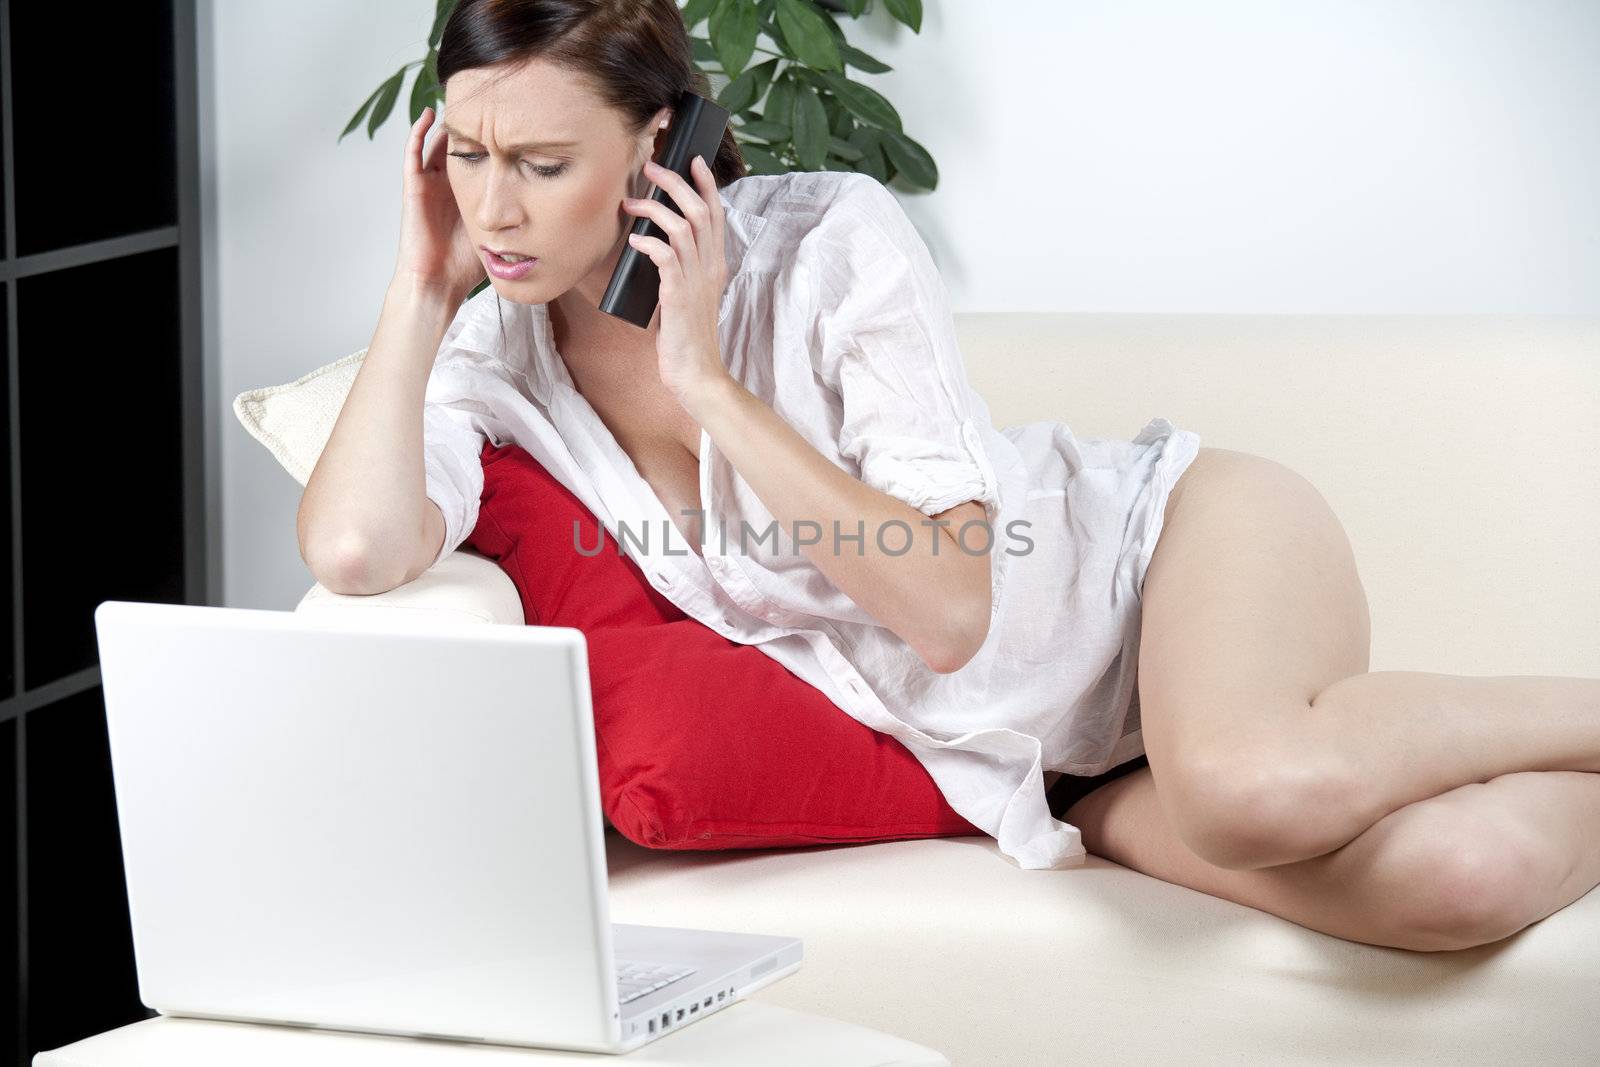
663 577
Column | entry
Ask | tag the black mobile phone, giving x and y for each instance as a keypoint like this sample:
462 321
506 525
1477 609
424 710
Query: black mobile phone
635 287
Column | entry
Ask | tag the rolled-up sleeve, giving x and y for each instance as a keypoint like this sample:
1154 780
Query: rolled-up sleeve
451 450
458 416
885 342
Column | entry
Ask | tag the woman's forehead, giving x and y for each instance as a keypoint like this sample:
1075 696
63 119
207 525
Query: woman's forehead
533 101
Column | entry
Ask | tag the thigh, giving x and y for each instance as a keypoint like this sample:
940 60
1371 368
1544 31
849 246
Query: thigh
1251 606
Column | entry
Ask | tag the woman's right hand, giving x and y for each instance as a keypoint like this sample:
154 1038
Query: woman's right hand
436 252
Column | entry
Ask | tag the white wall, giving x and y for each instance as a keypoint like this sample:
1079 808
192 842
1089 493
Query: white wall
1335 156
1247 156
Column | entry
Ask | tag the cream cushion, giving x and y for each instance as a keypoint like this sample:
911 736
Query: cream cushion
295 420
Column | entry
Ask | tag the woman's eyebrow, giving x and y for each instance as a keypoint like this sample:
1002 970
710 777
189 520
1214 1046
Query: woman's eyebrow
447 128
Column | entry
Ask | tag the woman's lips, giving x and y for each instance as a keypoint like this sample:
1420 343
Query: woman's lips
505 270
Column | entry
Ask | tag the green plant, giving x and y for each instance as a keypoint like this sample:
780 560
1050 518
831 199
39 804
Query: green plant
798 110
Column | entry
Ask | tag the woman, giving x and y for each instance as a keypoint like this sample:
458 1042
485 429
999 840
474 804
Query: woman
1094 601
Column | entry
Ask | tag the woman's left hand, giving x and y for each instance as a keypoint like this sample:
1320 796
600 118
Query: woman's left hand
693 274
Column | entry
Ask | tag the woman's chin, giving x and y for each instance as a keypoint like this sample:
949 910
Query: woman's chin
518 292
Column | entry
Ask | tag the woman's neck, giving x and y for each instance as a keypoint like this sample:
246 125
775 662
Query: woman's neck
600 349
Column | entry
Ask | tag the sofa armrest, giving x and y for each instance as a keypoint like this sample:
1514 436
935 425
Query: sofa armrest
464 586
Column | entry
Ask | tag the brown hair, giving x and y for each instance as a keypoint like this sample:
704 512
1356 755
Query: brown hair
634 52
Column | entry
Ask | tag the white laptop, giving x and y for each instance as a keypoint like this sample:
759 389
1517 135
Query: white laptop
361 823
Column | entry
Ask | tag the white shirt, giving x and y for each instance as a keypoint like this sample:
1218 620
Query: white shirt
835 316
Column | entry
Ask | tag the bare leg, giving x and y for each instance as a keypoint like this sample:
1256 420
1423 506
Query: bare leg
1467 867
1408 735
1272 739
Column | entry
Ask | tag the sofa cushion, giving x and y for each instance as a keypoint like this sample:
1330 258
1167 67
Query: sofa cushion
703 743
946 942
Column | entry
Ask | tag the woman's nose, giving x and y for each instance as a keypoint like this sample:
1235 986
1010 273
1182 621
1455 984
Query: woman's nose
497 207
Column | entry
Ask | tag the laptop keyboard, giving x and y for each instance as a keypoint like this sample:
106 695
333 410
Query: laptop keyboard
636 978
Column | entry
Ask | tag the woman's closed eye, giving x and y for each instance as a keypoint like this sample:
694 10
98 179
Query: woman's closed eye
547 172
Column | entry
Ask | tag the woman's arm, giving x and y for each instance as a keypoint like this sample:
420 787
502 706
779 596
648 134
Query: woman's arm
364 523
935 596
932 594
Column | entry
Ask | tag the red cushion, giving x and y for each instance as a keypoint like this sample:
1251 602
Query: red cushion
703 743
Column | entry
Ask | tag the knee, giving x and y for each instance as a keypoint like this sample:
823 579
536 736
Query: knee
1469 885
1250 809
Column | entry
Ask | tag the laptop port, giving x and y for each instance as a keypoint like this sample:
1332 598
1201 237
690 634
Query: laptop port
652 1025
720 994
693 1008
680 1013
707 1004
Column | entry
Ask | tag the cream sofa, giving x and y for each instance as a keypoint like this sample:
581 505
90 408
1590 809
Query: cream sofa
1459 452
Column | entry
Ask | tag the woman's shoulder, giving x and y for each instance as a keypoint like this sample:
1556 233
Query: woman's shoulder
803 211
800 194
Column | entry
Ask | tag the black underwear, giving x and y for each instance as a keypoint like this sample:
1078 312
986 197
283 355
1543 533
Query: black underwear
1071 788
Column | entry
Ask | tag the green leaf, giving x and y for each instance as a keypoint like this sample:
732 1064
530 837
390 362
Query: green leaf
871 162
846 151
695 11
807 32
749 87
441 15
764 73
867 103
764 130
387 93
733 34
761 162
829 23
702 51
855 7
740 93
355 120
910 159
842 123
804 74
780 98
810 127
906 11
778 39
861 61
423 94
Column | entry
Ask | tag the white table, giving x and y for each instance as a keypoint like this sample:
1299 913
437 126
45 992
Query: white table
750 1032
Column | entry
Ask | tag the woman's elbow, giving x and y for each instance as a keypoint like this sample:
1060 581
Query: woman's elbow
967 635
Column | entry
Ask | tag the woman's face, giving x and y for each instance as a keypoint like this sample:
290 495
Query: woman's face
539 166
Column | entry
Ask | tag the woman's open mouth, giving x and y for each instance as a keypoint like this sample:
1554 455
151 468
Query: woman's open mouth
507 269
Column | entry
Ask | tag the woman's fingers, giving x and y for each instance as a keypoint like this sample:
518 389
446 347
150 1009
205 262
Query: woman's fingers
683 194
706 182
414 141
661 254
435 154
678 229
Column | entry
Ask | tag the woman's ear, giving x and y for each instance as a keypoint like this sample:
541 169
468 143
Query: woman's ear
663 123
651 144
